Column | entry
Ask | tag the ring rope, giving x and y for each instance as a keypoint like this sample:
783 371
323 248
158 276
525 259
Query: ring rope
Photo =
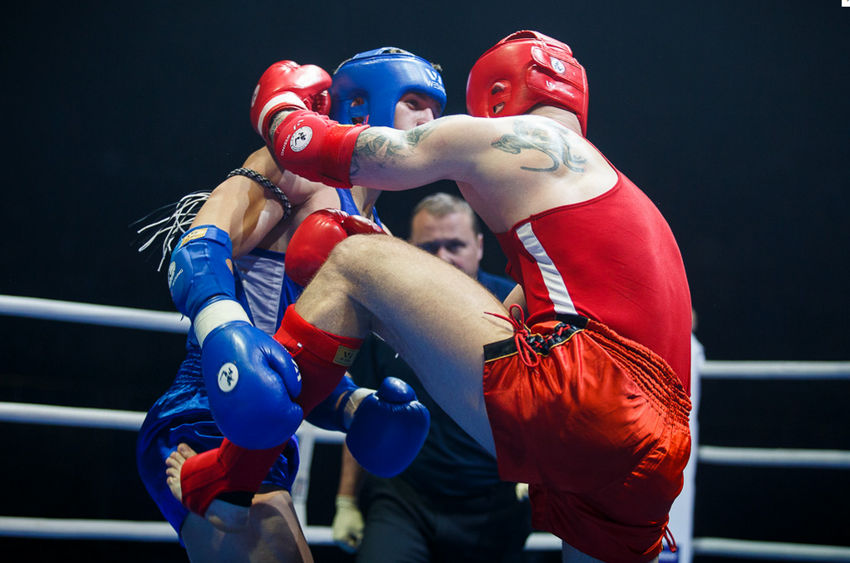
131 530
51 415
718 369
128 420
164 321
104 315
54 528
749 549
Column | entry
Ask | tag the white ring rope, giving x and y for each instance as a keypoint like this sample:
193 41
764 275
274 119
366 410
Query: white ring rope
74 529
715 369
51 528
129 530
108 419
128 420
174 322
92 314
774 457
769 550
71 416
319 535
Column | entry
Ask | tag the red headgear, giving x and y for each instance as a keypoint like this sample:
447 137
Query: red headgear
522 70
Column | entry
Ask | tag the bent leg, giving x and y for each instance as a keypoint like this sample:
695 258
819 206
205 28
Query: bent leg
399 529
273 534
431 313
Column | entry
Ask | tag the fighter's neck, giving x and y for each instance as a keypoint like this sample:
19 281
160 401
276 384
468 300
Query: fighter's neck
566 118
364 199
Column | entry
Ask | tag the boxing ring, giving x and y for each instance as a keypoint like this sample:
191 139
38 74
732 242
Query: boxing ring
54 528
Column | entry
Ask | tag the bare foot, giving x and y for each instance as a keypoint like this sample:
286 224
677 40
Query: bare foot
224 516
175 463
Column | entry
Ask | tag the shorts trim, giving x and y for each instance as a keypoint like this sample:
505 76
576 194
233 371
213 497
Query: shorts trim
555 333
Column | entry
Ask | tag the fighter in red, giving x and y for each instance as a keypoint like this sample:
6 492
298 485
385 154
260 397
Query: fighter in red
587 401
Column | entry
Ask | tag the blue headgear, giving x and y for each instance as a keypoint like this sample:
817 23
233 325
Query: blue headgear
381 78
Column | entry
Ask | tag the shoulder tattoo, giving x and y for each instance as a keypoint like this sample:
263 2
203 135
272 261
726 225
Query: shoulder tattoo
551 141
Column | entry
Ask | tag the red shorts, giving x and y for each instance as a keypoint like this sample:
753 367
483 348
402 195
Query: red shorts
598 429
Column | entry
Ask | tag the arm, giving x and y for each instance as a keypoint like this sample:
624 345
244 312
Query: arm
471 150
465 149
242 208
489 158
239 214
320 149
516 297
246 210
351 475
390 159
348 522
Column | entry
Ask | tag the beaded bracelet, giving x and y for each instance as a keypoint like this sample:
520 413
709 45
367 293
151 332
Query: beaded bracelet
266 183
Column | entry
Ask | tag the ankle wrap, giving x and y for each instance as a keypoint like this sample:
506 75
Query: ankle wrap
225 469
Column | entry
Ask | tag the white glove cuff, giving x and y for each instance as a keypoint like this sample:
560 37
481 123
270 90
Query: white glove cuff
281 101
353 402
216 314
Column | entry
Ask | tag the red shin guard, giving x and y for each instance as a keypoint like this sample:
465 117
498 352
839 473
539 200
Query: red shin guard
225 469
322 357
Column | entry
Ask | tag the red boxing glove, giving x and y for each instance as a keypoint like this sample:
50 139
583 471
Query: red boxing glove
318 234
287 84
316 147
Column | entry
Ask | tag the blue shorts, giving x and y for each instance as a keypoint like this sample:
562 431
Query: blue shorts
183 414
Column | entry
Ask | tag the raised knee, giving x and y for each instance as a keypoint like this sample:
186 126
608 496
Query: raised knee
351 253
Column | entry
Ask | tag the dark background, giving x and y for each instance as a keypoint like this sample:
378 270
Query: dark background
732 116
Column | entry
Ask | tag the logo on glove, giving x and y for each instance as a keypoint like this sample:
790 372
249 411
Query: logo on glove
228 377
254 97
173 274
558 65
300 139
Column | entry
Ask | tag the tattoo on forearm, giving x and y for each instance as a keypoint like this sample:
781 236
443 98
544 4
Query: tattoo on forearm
382 147
550 141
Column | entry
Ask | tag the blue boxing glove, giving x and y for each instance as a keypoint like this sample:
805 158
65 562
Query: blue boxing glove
387 428
330 414
250 378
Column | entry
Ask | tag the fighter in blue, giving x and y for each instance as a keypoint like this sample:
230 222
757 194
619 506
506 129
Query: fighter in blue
230 275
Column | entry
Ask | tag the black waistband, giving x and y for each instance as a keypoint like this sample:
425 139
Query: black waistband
567 326
573 320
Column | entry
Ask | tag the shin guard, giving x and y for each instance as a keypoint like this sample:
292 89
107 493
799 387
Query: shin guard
322 357
226 469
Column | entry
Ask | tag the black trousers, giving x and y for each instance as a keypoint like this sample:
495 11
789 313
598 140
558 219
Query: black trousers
404 525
